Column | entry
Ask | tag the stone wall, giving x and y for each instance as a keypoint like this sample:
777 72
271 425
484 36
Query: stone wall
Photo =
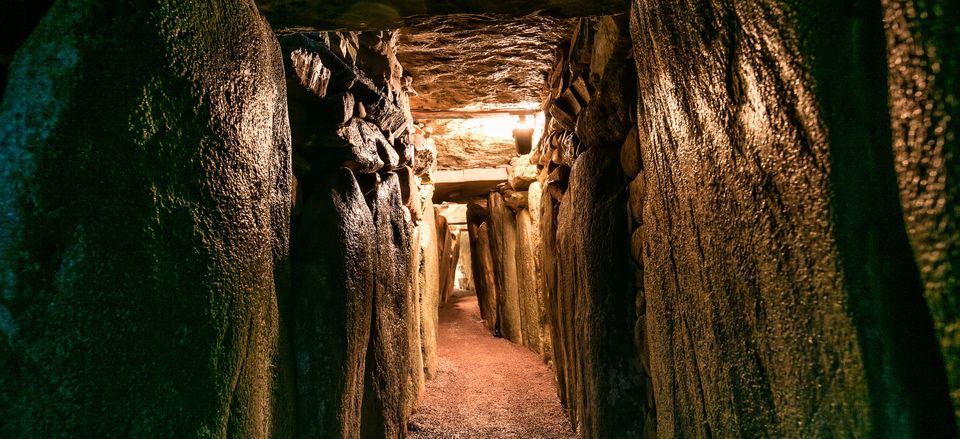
565 283
782 297
366 270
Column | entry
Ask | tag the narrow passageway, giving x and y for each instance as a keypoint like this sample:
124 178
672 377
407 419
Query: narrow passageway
486 387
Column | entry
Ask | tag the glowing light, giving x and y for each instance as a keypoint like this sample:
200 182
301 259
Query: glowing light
501 127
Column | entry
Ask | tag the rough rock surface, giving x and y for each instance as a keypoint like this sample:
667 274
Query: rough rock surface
503 249
482 262
596 313
429 284
610 115
465 261
521 173
289 15
464 144
924 74
527 287
333 266
480 62
416 381
446 254
798 165
385 404
145 223
548 282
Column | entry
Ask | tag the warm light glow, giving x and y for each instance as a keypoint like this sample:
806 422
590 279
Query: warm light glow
501 127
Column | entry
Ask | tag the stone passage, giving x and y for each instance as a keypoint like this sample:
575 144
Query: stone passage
486 387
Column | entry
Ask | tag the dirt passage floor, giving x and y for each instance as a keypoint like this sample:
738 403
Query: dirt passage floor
486 387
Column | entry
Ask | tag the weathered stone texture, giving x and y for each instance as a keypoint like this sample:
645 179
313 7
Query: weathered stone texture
521 173
385 405
595 309
924 79
145 223
527 289
445 252
429 288
333 265
480 62
465 261
482 261
391 14
416 382
548 283
776 257
503 249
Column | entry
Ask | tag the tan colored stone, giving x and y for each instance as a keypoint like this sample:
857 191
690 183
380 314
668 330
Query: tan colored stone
636 246
429 289
637 194
531 309
521 173
630 158
503 248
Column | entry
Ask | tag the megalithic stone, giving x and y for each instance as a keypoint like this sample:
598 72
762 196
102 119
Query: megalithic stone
527 282
145 199
598 309
429 289
388 356
503 248
333 285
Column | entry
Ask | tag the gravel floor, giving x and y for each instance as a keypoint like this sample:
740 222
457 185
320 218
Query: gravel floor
486 387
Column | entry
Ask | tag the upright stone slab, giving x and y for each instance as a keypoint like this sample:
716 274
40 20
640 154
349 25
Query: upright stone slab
447 264
597 279
385 407
527 283
778 276
334 260
503 249
465 260
486 285
145 223
416 379
548 282
924 73
429 289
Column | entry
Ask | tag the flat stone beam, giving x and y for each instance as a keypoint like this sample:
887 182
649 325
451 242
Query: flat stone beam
315 15
462 185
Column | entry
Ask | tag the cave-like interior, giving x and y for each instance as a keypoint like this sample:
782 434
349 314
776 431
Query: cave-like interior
478 219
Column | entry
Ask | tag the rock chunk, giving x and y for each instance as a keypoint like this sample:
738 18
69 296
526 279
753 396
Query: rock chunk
521 173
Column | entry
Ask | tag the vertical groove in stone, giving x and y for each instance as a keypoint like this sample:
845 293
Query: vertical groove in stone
385 407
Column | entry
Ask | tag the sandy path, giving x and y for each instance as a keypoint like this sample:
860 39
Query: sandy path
486 387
